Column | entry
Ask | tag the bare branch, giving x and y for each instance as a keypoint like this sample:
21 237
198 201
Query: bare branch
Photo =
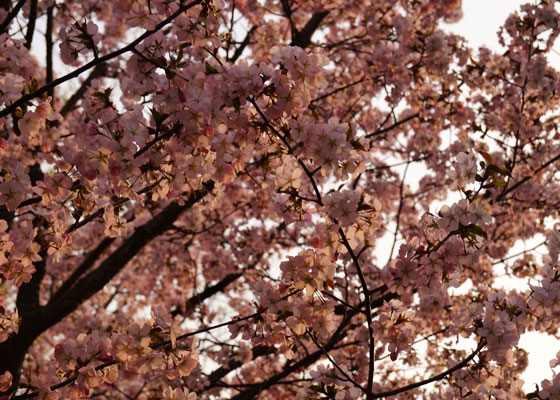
31 24
382 130
11 16
435 378
303 38
97 72
88 262
77 72
49 50
242 46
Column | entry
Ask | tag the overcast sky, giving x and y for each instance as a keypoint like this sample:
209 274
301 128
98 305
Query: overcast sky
479 25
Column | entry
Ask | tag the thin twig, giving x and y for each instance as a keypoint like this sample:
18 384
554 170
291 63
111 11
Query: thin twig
154 347
401 203
11 16
77 72
333 362
435 378
49 51
395 125
31 24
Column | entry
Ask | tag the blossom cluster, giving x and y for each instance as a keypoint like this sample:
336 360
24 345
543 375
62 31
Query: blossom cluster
88 356
9 322
78 39
23 248
464 170
393 329
309 271
287 317
260 153
333 382
330 146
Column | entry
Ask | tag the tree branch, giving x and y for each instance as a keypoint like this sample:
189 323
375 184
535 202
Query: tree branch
77 72
97 72
242 46
31 24
324 96
303 38
154 347
298 365
363 283
86 264
82 290
395 125
437 377
210 291
27 301
218 374
11 16
522 181
49 51
333 362
401 204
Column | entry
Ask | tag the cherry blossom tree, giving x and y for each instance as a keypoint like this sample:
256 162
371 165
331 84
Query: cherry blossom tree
274 199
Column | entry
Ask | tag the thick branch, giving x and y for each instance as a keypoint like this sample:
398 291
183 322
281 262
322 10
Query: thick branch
49 51
435 378
97 72
31 24
83 267
303 38
27 301
96 280
11 16
38 319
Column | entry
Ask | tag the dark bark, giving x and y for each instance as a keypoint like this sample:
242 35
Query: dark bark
77 72
97 72
88 262
97 279
36 319
27 301
49 51
31 24
221 372
11 15
303 38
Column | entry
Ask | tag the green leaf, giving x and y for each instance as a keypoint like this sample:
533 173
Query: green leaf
364 207
210 70
284 315
486 156
474 229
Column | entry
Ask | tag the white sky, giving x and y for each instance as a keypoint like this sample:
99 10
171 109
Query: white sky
482 19
479 25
